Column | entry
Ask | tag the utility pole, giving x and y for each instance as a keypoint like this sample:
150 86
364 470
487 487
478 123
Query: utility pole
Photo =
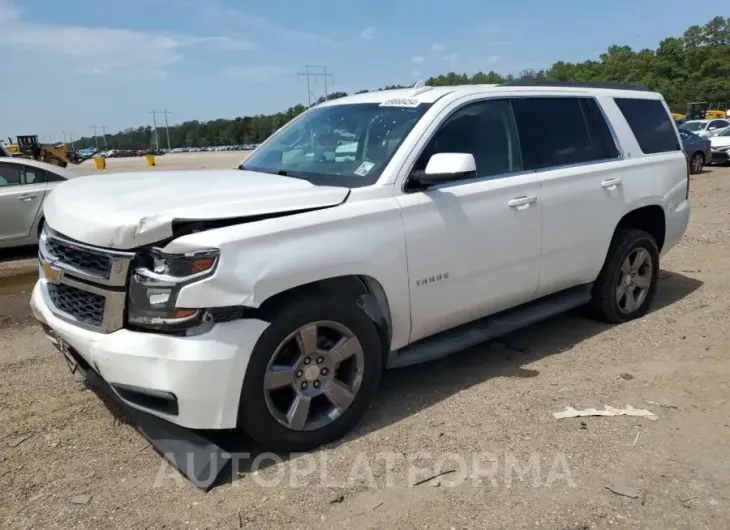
308 73
96 140
103 131
167 127
154 122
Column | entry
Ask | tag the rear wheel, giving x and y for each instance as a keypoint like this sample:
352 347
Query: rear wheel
311 376
626 286
696 163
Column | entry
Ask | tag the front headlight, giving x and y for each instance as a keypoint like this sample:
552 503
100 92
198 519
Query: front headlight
155 286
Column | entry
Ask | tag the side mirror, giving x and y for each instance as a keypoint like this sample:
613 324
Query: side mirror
445 167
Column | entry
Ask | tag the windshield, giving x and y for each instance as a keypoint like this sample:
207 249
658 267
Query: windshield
725 133
341 145
693 126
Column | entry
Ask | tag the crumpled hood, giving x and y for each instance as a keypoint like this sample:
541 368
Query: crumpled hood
127 210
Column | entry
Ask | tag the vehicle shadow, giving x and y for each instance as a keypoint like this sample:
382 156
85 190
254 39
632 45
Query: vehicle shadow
407 391
20 253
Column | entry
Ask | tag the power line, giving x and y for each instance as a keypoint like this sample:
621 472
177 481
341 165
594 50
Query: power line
315 75
96 140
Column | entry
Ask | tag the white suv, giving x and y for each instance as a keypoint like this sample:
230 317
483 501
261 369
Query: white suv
271 297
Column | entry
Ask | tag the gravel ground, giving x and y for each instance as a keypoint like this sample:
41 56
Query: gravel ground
67 460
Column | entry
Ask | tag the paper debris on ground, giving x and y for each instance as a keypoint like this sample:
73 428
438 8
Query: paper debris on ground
570 412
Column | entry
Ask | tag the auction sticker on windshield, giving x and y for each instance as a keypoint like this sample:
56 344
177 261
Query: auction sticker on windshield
364 169
400 102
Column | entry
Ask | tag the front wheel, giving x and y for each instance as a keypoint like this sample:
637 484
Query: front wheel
626 286
311 376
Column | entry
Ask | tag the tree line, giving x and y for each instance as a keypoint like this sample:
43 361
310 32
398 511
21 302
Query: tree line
694 67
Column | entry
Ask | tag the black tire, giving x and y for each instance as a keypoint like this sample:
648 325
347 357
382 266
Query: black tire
604 304
254 416
696 163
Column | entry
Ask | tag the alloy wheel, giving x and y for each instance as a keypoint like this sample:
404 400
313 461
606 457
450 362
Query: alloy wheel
314 375
634 280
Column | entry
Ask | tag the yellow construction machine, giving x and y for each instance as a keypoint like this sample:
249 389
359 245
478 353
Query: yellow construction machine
701 110
28 146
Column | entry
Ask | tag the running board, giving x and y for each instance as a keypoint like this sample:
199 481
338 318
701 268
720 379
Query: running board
468 335
197 458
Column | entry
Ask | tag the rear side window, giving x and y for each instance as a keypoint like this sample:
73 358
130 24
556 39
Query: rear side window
650 123
52 177
555 132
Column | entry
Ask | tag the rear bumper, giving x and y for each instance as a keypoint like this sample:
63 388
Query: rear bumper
193 382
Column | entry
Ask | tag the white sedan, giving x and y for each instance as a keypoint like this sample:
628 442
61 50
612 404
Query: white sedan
24 185
706 128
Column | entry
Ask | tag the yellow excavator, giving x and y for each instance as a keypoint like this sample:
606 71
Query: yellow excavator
701 110
28 146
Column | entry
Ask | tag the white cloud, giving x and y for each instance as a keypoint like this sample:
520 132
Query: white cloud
368 33
417 59
452 59
110 50
437 47
416 73
8 12
218 16
494 59
488 29
256 73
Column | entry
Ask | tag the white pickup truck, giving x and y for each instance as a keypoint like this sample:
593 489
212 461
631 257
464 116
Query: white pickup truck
271 297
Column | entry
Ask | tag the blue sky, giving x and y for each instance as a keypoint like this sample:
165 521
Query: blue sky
65 65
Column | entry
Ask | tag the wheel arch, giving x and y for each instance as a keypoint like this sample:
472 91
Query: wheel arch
367 292
650 218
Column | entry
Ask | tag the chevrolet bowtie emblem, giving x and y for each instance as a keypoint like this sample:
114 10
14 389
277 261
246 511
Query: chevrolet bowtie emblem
52 274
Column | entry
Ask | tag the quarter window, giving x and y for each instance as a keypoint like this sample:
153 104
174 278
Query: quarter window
486 130
651 124
32 175
555 132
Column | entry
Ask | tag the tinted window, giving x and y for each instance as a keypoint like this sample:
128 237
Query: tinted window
718 124
9 175
602 140
32 175
650 123
553 132
484 129
52 177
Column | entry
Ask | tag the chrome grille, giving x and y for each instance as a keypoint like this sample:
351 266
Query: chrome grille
83 284
83 306
81 258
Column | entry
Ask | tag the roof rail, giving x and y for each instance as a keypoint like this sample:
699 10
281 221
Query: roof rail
575 84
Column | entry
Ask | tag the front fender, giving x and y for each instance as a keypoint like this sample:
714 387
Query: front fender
260 260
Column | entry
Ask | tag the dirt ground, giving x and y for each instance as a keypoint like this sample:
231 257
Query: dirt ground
485 418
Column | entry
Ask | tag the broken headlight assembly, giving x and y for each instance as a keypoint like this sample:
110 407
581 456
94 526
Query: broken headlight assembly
155 285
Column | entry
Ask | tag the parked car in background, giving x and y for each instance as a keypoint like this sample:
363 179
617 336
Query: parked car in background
697 149
720 147
705 128
24 186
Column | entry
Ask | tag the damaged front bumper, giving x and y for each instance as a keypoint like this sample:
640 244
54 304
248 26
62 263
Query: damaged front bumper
170 387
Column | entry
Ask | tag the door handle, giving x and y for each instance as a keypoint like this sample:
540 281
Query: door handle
611 184
520 203
26 197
